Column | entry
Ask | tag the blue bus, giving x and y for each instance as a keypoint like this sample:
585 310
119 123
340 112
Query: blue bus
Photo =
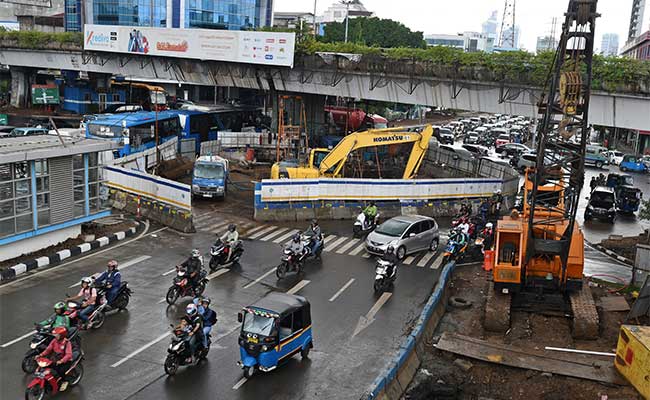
135 131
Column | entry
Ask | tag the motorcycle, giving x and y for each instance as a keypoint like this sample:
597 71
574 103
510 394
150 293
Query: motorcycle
362 226
308 242
383 282
179 351
95 319
46 384
222 254
41 339
290 262
120 301
181 286
454 251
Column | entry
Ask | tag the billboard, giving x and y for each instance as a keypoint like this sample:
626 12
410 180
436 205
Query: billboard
268 48
45 94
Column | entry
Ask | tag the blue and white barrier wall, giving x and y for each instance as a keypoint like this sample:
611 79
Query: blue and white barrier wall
330 198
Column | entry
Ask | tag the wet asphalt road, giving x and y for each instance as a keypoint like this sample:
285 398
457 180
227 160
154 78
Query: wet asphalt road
124 358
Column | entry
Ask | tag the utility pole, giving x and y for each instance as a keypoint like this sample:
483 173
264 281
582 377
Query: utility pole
508 22
347 16
315 29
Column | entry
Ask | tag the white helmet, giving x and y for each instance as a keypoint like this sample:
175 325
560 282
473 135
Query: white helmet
86 280
489 225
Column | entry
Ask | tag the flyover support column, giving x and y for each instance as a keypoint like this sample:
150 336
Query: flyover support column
316 123
19 87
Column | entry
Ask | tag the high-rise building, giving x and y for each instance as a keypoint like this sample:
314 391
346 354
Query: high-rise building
489 29
546 43
466 41
507 39
636 19
210 14
609 44
339 10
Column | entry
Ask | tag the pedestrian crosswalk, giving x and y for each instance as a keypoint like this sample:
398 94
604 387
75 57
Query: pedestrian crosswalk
282 235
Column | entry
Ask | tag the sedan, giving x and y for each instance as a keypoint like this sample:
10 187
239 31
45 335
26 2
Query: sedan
510 149
407 234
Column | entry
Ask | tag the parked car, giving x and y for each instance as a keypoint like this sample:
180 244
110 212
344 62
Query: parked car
646 161
595 157
446 136
615 157
510 149
408 234
602 204
632 163
476 150
471 138
524 160
28 131
6 130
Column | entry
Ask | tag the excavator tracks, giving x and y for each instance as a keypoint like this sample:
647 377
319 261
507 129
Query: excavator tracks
585 315
497 310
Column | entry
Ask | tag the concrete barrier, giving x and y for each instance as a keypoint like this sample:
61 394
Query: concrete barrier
400 370
175 218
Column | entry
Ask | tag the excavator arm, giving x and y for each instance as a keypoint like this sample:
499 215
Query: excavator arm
335 160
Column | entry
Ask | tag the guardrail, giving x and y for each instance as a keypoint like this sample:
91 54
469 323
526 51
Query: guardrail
398 374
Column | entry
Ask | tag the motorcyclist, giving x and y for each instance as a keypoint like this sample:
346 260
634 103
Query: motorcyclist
112 279
484 209
464 227
459 237
87 295
371 213
61 349
390 256
314 231
231 236
58 318
296 246
195 321
193 266
465 209
209 319
497 200
488 235
593 183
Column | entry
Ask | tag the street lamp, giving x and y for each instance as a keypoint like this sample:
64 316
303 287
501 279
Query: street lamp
347 16
315 19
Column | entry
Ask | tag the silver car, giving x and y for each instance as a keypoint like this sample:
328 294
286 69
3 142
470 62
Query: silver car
408 234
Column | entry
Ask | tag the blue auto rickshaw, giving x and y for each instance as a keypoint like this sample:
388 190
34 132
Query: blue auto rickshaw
632 163
628 199
273 330
615 180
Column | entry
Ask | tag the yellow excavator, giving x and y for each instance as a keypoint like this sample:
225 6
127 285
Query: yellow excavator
329 163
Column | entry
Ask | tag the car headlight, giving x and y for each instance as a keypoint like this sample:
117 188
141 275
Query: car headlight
177 346
195 187
590 208
265 348
33 345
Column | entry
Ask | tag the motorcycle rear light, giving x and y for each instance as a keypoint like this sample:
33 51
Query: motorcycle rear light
226 250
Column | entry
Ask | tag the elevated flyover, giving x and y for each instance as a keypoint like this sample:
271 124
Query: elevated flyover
362 77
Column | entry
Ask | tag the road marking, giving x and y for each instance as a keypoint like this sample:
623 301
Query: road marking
298 286
217 273
273 234
140 350
365 321
337 242
239 384
215 227
120 267
436 262
408 260
202 217
286 236
255 229
169 272
162 300
258 280
28 334
341 290
346 246
358 250
424 260
366 255
330 238
262 232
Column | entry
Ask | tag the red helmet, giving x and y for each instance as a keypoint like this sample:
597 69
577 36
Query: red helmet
60 330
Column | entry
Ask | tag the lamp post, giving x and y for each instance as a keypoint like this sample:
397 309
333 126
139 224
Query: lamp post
347 16
315 29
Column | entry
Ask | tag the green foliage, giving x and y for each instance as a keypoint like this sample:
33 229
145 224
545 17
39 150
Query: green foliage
374 32
644 211
38 40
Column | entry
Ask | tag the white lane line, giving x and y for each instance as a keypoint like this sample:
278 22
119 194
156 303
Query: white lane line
346 246
286 236
217 273
330 238
169 272
141 349
408 260
426 259
248 232
341 290
239 384
215 227
258 280
120 267
262 232
358 250
28 334
162 300
337 242
273 234
437 261
298 286
202 217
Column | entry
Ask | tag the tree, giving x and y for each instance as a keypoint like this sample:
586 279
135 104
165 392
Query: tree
374 32
644 213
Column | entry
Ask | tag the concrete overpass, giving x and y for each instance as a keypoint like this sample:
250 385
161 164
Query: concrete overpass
341 75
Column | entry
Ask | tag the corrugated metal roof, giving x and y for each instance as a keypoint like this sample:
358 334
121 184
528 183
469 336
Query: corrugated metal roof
48 146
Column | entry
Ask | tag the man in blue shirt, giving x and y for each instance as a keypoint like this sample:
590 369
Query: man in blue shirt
112 278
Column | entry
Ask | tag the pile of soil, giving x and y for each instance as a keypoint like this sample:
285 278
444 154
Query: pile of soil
445 375
626 245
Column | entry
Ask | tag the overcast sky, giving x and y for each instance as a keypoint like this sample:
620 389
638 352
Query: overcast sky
437 16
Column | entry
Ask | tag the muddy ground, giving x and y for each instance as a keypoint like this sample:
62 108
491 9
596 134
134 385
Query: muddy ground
440 378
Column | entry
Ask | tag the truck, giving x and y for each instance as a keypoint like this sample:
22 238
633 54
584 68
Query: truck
210 176
354 119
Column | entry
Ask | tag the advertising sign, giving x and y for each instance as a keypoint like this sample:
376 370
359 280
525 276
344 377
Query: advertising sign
45 94
4 119
268 48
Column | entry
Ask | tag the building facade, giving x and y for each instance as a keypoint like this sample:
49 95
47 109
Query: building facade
338 11
546 43
466 41
47 191
638 48
636 19
207 14
489 29
609 44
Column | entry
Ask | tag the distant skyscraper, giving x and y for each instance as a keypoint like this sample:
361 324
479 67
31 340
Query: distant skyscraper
546 43
489 29
609 44
636 19
507 38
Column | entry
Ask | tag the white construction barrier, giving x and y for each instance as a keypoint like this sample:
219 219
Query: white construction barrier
142 160
150 186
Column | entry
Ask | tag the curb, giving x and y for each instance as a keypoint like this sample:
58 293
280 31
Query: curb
398 374
30 265
612 254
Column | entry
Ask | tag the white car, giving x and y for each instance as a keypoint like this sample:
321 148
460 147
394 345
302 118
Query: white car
615 157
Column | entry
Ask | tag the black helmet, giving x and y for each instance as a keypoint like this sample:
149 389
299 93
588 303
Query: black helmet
296 237
232 227
206 301
314 221
390 250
